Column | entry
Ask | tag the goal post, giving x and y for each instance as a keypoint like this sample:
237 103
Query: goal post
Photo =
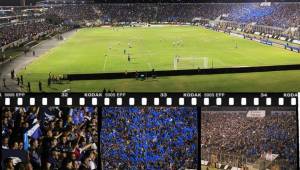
181 63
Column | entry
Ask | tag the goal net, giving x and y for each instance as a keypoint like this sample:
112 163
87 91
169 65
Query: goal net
181 63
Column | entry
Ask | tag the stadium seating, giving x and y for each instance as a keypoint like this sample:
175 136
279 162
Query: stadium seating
154 138
238 139
282 15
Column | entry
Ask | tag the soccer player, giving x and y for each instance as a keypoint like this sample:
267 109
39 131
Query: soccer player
4 84
12 73
29 87
128 58
153 73
40 85
124 51
22 82
49 81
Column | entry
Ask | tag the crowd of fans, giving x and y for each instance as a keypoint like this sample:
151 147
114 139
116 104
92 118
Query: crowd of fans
277 14
149 138
49 138
74 12
9 34
236 135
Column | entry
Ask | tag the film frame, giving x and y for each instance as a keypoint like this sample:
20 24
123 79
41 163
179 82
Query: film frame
197 100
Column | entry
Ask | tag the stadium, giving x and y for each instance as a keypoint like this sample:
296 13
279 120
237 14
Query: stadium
70 45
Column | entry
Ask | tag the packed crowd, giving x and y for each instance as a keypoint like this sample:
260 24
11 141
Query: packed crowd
235 134
149 138
9 34
281 15
49 138
74 12
278 14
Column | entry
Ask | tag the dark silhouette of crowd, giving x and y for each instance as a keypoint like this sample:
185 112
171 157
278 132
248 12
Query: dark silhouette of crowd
49 138
149 138
236 135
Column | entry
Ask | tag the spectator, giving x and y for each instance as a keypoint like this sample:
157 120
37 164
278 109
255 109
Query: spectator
56 130
149 138
234 133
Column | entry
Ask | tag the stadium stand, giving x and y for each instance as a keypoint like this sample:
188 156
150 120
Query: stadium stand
49 138
153 138
277 15
29 30
237 138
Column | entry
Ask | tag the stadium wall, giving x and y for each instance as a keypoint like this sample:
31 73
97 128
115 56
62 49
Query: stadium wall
164 73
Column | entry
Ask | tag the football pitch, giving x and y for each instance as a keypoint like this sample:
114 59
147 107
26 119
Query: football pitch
104 50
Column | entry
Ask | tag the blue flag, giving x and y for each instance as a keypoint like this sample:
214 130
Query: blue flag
35 132
26 141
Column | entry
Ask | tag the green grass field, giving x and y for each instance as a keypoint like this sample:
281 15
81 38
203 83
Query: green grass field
95 50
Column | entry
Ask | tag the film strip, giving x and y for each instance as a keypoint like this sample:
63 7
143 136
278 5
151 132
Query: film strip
197 109
149 99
